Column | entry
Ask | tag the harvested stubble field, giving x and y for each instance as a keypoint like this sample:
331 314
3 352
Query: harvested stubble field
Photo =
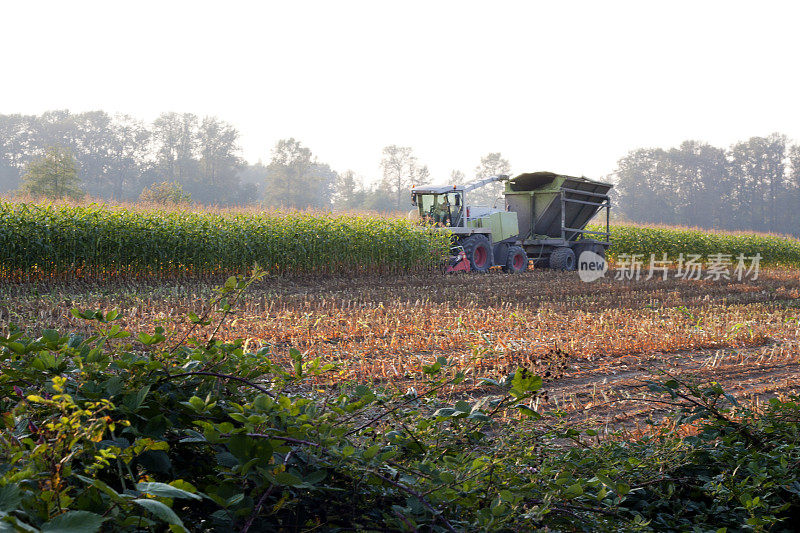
593 342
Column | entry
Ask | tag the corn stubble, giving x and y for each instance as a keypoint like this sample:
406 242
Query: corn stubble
591 342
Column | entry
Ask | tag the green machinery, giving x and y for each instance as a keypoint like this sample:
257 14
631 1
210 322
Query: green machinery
543 218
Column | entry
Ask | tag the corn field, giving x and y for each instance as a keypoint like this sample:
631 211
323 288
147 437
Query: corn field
775 250
100 242
45 240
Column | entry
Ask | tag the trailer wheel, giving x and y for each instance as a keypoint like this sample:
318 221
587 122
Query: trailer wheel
517 260
595 248
562 258
600 250
478 252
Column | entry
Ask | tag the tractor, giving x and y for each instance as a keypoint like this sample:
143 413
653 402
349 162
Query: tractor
543 219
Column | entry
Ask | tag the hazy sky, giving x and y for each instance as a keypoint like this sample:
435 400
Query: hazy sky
563 86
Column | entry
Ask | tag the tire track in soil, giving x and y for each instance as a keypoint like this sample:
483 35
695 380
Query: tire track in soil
610 394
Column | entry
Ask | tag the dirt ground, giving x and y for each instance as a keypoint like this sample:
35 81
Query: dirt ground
596 344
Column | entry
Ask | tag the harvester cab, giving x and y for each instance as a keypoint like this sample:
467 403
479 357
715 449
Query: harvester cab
544 219
482 235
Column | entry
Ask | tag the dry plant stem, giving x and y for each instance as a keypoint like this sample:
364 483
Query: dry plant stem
402 487
617 331
405 521
716 413
418 496
194 325
393 409
221 321
285 439
457 481
208 312
568 508
635 399
229 311
220 376
753 439
408 430
261 500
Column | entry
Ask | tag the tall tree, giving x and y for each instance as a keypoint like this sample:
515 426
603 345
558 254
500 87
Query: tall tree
640 186
129 153
175 137
16 139
296 179
252 179
91 139
54 175
757 168
400 171
789 210
9 176
349 193
492 164
220 162
694 176
54 128
422 176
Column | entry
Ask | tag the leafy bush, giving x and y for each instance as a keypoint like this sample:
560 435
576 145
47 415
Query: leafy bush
136 432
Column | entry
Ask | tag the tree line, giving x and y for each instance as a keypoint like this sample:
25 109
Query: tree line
183 157
753 185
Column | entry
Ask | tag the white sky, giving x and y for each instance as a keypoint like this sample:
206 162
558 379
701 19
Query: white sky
563 86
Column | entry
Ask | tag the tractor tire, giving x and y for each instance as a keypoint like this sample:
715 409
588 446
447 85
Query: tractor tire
562 258
479 252
517 260
598 249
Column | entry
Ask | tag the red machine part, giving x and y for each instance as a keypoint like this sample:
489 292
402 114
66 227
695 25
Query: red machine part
461 264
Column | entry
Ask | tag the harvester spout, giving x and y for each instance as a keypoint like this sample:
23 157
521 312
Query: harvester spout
485 181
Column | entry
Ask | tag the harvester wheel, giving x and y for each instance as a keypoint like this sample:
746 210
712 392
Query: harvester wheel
562 258
517 260
478 251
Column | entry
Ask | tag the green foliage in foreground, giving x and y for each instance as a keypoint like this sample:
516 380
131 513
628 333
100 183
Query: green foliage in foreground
95 240
139 432
631 239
